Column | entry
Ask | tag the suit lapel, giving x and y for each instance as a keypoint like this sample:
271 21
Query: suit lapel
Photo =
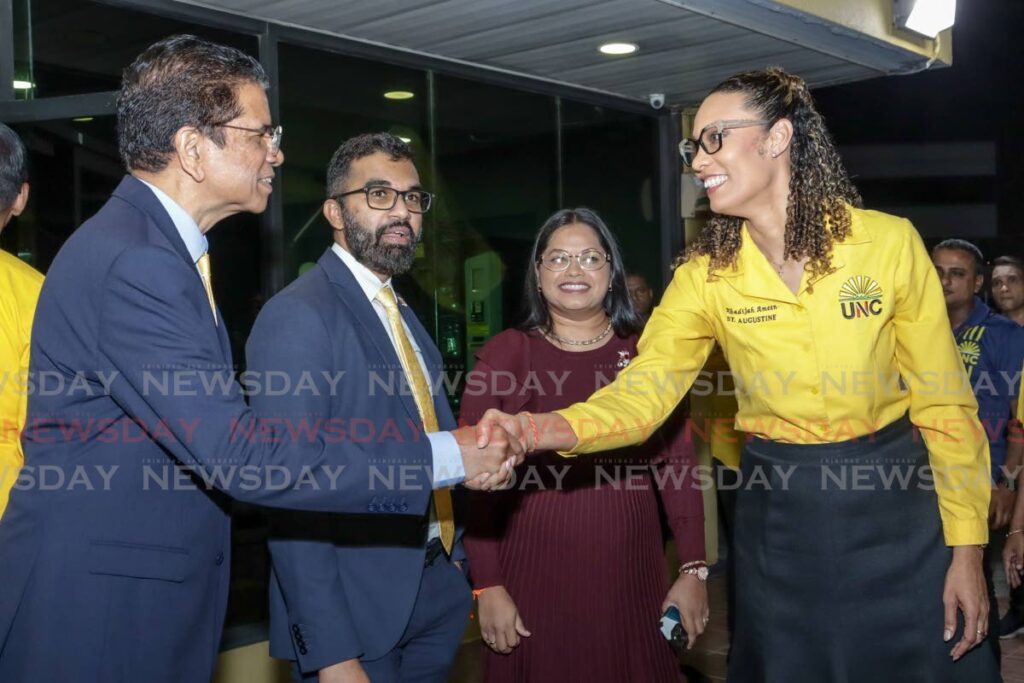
353 299
135 192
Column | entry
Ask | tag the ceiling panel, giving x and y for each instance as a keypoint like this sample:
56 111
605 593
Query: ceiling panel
682 52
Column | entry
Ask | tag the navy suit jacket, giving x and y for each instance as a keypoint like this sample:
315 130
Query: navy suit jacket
343 585
126 578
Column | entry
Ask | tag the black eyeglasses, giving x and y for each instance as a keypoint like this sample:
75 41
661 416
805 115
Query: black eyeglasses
384 198
710 139
272 134
589 259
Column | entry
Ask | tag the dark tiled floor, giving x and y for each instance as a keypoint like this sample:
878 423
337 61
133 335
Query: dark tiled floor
706 662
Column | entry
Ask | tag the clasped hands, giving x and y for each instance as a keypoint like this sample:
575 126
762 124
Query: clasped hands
500 441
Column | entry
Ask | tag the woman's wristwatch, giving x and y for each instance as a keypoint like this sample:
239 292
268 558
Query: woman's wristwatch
698 568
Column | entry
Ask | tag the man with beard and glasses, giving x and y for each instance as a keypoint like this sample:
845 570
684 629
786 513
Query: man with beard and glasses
362 597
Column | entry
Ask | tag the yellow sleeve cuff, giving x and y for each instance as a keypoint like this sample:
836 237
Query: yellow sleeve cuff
965 531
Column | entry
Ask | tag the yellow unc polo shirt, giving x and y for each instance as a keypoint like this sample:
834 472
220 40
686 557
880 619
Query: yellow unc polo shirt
850 353
19 291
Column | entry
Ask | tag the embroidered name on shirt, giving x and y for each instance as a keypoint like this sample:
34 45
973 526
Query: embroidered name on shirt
751 314
860 297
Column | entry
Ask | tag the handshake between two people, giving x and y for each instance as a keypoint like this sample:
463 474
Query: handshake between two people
499 442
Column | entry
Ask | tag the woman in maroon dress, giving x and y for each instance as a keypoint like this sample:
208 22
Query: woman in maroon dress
568 563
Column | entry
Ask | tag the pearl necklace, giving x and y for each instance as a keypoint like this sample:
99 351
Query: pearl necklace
585 342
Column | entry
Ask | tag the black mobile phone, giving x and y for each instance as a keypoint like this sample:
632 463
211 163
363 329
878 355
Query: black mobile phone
671 625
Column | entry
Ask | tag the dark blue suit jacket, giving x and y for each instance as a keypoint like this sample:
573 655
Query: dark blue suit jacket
343 585
126 579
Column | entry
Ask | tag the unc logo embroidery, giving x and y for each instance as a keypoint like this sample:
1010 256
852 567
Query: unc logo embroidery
860 297
623 359
970 351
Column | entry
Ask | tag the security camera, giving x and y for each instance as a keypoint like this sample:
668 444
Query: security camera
657 100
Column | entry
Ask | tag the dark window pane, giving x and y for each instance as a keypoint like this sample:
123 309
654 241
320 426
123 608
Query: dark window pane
610 164
73 168
325 99
78 46
497 181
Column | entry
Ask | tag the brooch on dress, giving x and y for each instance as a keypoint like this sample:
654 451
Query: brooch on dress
623 359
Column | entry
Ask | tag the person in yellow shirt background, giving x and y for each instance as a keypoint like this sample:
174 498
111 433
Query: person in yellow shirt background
833 323
19 291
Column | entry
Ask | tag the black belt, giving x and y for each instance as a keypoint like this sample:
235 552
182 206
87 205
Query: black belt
434 548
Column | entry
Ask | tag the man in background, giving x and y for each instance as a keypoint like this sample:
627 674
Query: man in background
992 349
1008 287
641 294
19 291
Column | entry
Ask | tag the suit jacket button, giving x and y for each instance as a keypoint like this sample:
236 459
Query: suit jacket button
303 650
219 559
295 628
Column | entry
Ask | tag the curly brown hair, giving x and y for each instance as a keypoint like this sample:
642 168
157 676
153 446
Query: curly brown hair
819 187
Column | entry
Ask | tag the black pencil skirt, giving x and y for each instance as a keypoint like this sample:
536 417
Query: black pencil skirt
841 564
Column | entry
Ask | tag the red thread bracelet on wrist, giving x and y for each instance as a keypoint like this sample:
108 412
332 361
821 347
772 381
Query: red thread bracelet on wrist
533 429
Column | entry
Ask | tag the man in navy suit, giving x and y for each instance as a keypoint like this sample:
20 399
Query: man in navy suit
355 597
120 573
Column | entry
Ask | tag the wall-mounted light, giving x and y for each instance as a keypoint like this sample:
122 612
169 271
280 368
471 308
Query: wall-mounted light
617 49
926 17
399 95
82 119
405 139
23 85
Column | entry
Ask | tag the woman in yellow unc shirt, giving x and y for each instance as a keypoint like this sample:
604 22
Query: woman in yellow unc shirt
855 560
19 291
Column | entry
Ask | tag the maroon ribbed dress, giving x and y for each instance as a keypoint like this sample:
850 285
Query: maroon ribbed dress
583 561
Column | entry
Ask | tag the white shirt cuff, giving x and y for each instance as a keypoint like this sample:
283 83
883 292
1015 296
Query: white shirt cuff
448 467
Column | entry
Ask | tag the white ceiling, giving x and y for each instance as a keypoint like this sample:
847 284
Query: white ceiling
686 46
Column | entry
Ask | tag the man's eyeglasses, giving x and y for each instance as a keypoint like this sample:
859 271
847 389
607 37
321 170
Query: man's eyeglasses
589 259
710 139
384 198
271 134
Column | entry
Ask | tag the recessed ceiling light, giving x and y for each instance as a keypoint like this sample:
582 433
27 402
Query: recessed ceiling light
82 119
399 95
618 48
405 139
24 85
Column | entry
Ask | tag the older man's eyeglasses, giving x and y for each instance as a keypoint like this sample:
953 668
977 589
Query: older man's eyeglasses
384 198
271 135
589 259
710 139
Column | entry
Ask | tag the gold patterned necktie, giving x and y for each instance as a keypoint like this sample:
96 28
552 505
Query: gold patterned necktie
204 273
425 403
